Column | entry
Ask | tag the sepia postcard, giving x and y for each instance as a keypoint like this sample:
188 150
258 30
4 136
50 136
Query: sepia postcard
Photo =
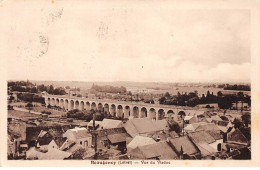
130 83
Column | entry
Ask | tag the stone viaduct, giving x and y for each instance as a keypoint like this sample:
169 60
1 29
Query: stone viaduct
117 108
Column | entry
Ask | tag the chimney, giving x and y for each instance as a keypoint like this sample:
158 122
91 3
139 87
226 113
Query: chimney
181 154
158 139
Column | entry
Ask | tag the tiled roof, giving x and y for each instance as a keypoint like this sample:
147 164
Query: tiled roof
192 127
236 136
184 142
140 141
44 141
208 126
159 149
42 133
80 132
217 118
54 154
110 124
201 137
74 148
223 128
140 126
161 124
205 149
215 134
60 141
116 138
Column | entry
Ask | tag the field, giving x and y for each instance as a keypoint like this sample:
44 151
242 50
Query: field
150 87
21 114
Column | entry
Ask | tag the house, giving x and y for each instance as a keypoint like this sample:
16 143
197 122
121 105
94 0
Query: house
192 127
162 125
139 141
190 119
118 140
43 140
54 155
140 126
224 126
34 154
235 136
79 136
218 144
185 145
159 151
202 139
216 119
57 143
110 124
207 127
79 152
32 132
112 137
240 105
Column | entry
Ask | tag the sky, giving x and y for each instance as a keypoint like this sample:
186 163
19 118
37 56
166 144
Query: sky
74 42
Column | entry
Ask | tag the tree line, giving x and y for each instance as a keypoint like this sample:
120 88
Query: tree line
235 87
22 86
192 99
31 97
108 89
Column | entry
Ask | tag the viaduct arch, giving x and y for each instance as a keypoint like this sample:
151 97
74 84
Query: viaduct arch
118 109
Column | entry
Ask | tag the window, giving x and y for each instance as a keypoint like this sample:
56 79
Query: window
86 143
219 147
80 142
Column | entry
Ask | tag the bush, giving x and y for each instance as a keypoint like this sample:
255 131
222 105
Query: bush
10 107
48 113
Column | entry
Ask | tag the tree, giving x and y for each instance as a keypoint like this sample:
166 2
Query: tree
11 98
219 94
208 94
174 126
162 100
237 123
225 102
51 89
246 118
193 101
167 95
29 105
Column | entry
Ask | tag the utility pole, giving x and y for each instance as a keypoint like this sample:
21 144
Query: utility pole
182 125
94 134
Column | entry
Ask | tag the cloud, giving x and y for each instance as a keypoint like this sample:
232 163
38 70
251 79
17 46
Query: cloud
130 44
